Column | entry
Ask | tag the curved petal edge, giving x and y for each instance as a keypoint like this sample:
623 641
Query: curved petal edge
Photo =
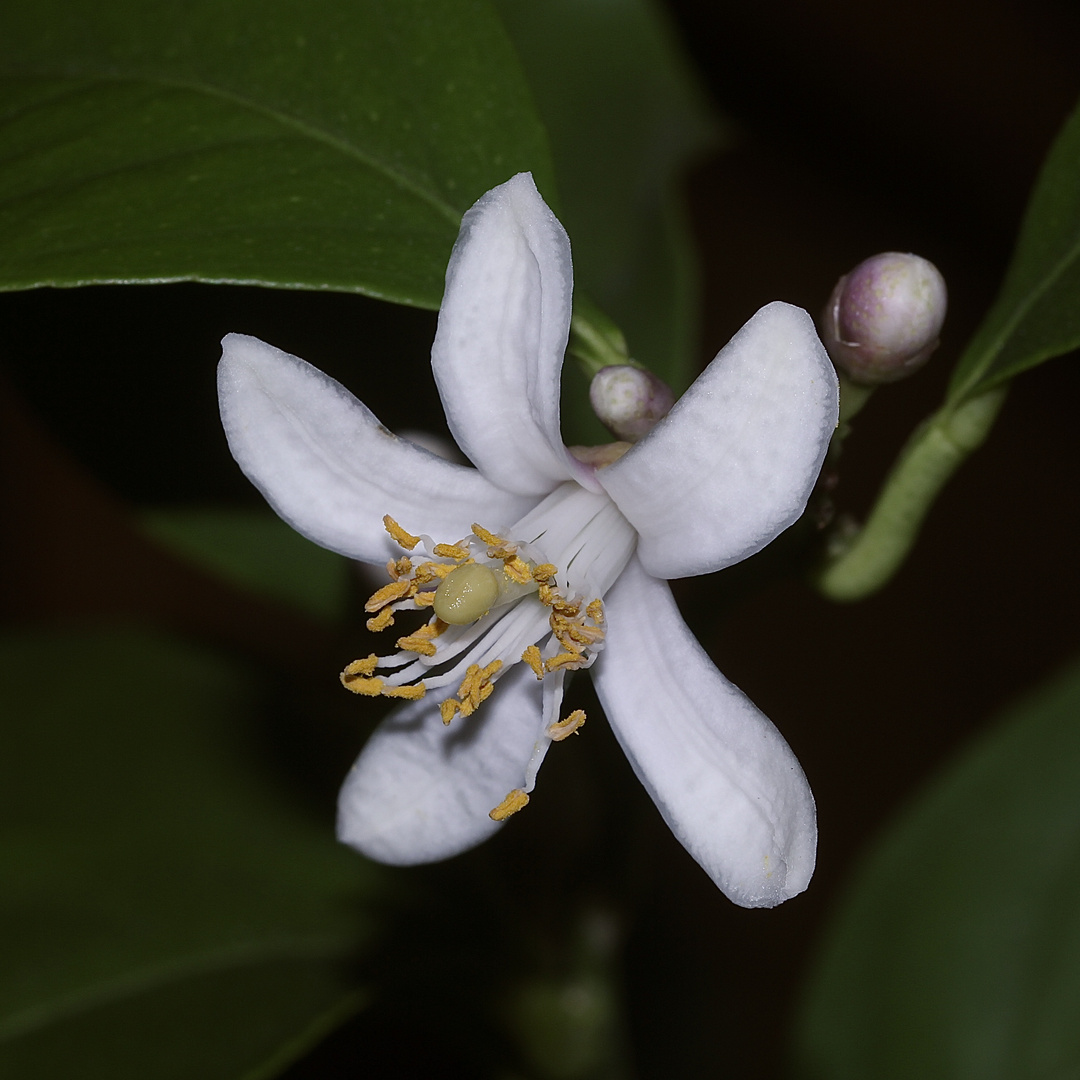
722 776
503 328
734 462
330 469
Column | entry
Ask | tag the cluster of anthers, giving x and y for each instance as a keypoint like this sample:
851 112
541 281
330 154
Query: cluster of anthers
472 587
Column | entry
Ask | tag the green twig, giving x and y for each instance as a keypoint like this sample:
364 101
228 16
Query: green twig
933 453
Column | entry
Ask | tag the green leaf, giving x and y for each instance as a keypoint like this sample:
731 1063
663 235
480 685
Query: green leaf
294 143
168 911
258 551
1036 316
957 954
624 117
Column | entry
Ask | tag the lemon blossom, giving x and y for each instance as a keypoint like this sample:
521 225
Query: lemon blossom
543 560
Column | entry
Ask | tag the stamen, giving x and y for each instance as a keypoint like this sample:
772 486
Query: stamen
362 667
545 573
450 551
531 656
387 595
399 535
358 684
595 611
563 729
564 660
449 709
381 621
410 691
487 537
399 568
516 800
517 569
417 644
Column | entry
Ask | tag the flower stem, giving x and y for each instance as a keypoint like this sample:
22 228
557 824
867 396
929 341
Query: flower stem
933 453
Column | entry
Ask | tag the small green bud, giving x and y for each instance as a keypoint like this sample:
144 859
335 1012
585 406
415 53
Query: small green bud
883 319
629 401
466 594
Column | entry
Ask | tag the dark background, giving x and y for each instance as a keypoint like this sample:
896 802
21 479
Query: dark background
858 128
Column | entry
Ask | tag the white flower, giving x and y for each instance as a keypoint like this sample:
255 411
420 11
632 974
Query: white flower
565 560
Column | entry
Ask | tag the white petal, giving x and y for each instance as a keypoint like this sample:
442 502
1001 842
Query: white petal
734 462
721 774
503 328
421 791
331 470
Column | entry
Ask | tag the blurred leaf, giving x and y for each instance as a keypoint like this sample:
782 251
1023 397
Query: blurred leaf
168 911
624 117
1036 316
258 551
958 952
296 143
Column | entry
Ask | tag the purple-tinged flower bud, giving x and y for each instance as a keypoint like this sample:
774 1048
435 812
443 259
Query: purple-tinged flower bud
883 319
629 401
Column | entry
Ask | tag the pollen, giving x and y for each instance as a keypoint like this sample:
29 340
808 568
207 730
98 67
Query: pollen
362 667
595 611
563 729
381 621
451 551
486 537
396 590
531 656
410 691
545 573
517 569
477 686
564 660
359 684
417 644
399 535
516 800
449 709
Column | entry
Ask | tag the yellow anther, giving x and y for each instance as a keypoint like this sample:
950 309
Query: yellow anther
582 634
448 710
595 611
424 599
547 594
517 569
476 686
399 568
430 571
531 656
515 801
365 666
544 573
410 691
415 643
450 551
564 660
400 536
430 631
466 595
358 684
388 594
563 729
381 621
488 537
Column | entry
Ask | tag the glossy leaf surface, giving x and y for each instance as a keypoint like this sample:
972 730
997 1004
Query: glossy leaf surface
1036 316
307 145
958 952
169 908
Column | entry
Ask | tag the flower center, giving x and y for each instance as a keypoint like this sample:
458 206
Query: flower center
496 602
